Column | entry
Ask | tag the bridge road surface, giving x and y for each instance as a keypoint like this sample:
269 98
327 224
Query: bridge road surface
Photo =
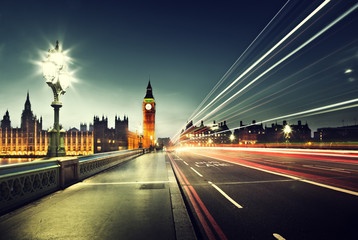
248 195
139 199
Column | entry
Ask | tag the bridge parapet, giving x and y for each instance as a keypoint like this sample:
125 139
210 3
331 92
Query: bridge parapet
24 182
92 164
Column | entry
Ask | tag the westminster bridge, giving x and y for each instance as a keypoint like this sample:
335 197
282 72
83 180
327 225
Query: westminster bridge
129 194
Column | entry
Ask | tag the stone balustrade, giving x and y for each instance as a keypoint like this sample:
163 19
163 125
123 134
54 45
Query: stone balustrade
24 182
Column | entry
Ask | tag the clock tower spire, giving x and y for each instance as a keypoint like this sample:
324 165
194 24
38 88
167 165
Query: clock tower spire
148 118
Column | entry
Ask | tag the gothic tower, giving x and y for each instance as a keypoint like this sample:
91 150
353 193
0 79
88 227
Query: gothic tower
5 122
148 118
27 117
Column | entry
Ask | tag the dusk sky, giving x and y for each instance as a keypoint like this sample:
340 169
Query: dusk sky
185 47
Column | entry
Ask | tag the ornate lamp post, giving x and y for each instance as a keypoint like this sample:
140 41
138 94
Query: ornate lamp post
56 75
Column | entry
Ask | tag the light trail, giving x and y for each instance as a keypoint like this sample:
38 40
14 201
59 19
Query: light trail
236 63
198 205
282 60
331 110
319 152
219 110
175 137
319 110
265 55
295 175
256 103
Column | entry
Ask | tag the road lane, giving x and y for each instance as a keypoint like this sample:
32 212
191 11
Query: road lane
302 166
271 204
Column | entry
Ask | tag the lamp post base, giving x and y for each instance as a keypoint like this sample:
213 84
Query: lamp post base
54 149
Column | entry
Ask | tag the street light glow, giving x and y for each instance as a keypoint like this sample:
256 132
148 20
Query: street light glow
49 71
232 137
287 129
348 71
56 75
55 71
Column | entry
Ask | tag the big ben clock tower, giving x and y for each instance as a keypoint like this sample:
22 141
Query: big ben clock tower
148 118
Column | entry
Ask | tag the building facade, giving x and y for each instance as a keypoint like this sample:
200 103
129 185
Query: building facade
254 133
335 134
213 134
31 140
257 133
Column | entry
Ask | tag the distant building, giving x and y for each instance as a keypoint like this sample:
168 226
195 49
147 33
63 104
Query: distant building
113 139
163 142
253 133
78 142
250 134
31 140
299 133
205 135
83 127
337 134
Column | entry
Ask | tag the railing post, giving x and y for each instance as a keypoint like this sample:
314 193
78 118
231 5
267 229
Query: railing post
68 172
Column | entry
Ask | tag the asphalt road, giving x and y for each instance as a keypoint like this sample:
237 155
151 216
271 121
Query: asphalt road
264 194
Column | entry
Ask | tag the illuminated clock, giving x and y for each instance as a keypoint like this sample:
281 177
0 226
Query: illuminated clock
148 106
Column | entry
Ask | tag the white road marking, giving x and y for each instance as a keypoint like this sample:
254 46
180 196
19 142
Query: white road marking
196 172
186 163
225 195
278 236
177 157
211 164
289 176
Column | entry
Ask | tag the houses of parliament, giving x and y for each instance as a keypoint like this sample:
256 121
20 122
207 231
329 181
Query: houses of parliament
31 140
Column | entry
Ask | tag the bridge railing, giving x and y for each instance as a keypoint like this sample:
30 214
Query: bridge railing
93 164
24 182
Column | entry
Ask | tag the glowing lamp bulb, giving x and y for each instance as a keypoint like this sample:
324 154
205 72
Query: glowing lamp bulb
58 59
64 80
287 129
49 71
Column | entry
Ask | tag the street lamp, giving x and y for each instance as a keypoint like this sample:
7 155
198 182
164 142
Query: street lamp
287 130
56 75
232 137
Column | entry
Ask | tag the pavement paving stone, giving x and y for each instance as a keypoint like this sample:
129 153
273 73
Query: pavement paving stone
139 199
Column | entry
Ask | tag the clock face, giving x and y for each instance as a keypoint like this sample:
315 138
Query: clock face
148 106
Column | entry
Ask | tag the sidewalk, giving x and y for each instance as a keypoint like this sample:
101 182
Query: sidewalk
139 199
